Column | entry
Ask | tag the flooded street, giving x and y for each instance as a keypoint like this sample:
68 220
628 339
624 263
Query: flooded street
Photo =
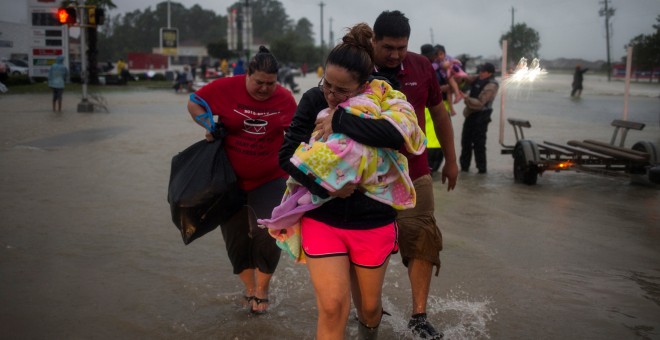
88 249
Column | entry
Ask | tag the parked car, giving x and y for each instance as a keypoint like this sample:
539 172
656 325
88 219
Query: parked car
19 62
15 67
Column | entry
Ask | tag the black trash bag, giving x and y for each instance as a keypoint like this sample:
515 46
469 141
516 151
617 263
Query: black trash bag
203 191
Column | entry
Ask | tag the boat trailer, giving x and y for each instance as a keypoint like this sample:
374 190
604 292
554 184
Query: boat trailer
641 163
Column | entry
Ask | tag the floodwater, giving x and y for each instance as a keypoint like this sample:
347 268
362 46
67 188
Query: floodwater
88 250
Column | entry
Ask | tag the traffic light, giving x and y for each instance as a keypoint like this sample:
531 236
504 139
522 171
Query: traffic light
100 16
95 16
66 15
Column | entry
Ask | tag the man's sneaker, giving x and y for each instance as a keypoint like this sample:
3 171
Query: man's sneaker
422 328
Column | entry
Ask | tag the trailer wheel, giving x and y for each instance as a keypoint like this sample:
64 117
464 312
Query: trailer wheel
653 170
648 147
654 174
525 158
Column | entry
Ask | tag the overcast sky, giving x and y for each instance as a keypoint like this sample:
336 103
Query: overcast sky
567 28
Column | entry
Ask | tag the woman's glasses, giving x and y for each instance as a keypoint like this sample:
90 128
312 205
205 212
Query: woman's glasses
342 95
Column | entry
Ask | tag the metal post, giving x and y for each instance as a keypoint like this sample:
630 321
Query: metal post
628 75
84 105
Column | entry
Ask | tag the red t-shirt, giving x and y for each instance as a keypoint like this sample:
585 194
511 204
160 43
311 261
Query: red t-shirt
255 128
420 85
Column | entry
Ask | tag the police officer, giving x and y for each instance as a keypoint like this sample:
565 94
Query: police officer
477 112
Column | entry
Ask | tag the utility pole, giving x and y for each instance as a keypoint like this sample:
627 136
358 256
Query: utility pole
607 12
512 15
331 34
247 29
169 25
513 40
169 17
321 4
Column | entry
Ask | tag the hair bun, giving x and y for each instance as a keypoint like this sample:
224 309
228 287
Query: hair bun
263 49
360 36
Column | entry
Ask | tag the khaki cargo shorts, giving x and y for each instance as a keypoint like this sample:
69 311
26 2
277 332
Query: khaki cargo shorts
419 235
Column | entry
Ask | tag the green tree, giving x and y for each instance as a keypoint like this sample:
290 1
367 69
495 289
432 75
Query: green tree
220 50
304 33
288 49
269 19
523 41
139 31
284 48
646 50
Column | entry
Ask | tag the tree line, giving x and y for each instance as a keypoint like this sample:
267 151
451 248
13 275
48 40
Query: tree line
139 31
291 41
646 49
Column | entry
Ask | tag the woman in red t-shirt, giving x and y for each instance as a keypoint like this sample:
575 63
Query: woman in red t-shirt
255 112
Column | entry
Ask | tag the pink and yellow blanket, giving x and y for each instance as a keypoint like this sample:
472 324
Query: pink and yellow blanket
381 173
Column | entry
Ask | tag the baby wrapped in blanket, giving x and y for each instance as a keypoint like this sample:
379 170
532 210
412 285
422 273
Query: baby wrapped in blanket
381 173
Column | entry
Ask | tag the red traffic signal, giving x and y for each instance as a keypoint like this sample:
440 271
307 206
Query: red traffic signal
66 15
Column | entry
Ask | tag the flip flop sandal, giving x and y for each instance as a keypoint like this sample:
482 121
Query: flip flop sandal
248 300
258 301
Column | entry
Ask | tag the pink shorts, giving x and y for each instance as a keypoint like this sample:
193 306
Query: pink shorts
365 248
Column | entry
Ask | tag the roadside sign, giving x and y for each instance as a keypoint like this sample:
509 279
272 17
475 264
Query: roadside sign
48 38
169 41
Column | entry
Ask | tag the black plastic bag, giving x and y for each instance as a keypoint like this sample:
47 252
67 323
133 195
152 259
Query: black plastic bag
203 191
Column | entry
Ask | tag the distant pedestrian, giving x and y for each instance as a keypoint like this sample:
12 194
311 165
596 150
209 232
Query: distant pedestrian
224 68
4 74
578 77
239 69
285 77
303 69
57 76
121 68
203 70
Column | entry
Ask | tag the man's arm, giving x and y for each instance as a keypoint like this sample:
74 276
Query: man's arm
486 96
445 131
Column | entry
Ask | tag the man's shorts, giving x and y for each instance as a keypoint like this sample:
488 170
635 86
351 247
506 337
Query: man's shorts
419 235
368 248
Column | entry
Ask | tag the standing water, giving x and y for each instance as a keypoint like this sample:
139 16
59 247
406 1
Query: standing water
88 250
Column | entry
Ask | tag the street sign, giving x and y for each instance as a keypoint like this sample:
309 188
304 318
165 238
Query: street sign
169 41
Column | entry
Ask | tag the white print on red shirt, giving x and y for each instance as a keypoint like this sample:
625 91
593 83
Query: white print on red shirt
252 125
